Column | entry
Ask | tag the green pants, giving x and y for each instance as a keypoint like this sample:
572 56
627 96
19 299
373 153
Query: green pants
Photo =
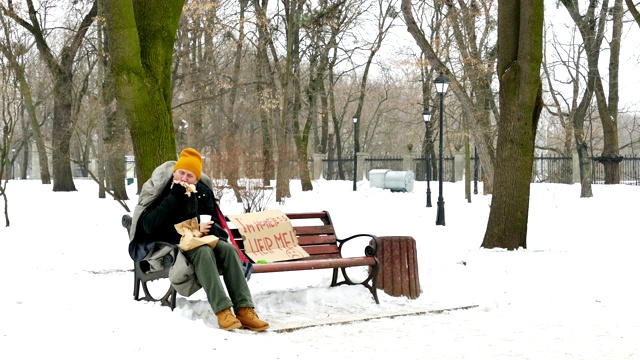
224 256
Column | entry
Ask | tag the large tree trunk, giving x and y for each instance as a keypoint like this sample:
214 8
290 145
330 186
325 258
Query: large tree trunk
61 134
141 36
519 57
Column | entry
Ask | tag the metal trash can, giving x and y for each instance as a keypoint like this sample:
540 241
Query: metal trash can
392 180
399 181
376 177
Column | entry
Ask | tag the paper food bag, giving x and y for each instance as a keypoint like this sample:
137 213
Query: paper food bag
192 237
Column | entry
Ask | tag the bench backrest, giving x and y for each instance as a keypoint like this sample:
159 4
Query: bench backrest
315 233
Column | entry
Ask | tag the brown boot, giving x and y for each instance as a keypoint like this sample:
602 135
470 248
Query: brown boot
250 320
226 320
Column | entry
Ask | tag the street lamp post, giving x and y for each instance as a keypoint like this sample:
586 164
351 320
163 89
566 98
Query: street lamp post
442 84
355 151
426 116
475 170
13 163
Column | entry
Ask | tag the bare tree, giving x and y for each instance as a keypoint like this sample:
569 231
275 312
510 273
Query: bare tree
7 49
292 10
607 105
633 10
322 27
9 112
61 68
484 145
473 25
337 112
572 113
385 17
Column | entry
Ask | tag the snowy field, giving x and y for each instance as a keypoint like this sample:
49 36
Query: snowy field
573 294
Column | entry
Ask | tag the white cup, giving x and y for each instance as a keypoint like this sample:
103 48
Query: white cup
204 220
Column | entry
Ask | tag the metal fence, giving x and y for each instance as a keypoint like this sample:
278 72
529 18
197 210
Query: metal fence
330 167
546 169
337 169
559 169
390 162
554 169
448 168
629 171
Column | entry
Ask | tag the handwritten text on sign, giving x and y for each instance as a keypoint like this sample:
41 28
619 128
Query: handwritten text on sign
268 235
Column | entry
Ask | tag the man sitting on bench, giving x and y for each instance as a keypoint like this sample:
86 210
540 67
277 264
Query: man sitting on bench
166 200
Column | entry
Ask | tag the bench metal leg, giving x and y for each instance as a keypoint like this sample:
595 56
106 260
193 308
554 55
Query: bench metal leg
141 279
168 299
371 282
136 287
374 281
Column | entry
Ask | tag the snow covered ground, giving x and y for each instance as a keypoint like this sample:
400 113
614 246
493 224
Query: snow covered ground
573 294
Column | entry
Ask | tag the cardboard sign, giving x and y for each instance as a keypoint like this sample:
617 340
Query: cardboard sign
268 236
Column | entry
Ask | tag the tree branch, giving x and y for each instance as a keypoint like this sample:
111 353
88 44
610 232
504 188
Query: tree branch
633 10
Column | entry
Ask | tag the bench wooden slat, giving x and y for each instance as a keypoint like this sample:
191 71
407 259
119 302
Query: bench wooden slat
314 230
316 240
321 249
313 245
311 215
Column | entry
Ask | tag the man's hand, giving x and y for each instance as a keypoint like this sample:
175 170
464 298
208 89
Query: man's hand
178 190
205 227
188 188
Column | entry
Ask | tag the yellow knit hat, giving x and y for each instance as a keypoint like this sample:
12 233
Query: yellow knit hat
190 160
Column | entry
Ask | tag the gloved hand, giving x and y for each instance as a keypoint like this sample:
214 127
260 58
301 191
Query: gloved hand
179 192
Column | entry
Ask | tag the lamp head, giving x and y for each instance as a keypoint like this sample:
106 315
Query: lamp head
442 83
355 119
426 115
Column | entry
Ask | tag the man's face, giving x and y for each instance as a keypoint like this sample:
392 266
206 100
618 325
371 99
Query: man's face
185 176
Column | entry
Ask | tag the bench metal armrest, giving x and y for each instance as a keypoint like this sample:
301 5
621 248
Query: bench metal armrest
370 250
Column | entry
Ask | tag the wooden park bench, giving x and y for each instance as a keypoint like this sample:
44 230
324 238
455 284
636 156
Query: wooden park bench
316 235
